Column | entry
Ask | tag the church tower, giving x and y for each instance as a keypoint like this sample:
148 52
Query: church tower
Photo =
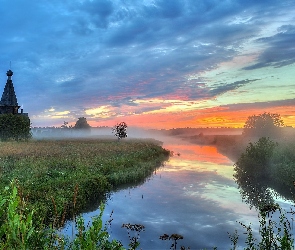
8 103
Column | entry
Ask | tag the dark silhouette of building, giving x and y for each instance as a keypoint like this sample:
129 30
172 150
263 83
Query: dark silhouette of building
8 103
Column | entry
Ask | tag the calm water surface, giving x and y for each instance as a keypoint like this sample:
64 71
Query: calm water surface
193 195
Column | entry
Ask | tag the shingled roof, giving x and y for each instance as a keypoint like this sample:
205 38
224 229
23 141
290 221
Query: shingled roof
8 103
8 96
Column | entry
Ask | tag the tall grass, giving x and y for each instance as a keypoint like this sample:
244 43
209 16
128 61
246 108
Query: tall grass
17 230
49 171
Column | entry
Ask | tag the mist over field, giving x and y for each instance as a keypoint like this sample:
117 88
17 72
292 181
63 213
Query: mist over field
133 132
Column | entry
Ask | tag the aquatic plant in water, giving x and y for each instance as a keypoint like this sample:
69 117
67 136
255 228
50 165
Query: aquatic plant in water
174 238
134 240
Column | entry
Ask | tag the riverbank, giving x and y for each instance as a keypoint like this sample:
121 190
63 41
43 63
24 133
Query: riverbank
277 171
59 178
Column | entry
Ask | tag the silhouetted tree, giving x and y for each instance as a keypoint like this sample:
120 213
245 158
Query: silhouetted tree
65 125
120 130
15 127
82 124
263 125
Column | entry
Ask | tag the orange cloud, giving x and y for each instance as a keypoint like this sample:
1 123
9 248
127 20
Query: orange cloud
191 116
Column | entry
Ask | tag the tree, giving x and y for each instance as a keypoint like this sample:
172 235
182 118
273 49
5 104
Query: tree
66 125
82 124
263 125
253 172
15 127
120 130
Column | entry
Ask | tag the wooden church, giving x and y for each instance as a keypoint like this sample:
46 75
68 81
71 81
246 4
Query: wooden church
8 103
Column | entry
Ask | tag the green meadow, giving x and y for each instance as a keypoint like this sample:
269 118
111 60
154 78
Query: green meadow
59 178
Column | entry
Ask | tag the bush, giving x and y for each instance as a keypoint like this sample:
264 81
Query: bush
252 172
256 160
15 127
283 169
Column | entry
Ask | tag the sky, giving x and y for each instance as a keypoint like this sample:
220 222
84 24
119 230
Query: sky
150 63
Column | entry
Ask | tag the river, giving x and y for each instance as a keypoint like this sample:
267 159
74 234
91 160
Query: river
193 194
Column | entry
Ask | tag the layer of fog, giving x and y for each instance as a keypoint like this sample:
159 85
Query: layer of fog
94 133
133 132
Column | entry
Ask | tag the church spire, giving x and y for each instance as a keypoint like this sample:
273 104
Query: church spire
8 103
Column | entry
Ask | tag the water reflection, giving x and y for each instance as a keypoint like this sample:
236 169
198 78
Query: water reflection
193 195
193 152
260 178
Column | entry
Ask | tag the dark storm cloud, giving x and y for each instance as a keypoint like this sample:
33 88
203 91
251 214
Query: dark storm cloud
82 53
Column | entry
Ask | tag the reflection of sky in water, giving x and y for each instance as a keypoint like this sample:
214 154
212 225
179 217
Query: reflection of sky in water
193 195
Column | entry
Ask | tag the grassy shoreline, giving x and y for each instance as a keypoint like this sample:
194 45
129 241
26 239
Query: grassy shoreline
59 178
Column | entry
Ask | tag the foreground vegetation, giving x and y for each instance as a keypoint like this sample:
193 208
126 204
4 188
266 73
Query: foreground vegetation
273 233
59 178
18 230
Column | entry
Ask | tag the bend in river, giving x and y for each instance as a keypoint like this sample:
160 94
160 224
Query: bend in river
193 194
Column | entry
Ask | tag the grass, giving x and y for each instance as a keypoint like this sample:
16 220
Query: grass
17 230
59 178
54 180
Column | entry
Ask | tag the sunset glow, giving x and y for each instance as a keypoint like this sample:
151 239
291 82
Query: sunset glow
153 64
